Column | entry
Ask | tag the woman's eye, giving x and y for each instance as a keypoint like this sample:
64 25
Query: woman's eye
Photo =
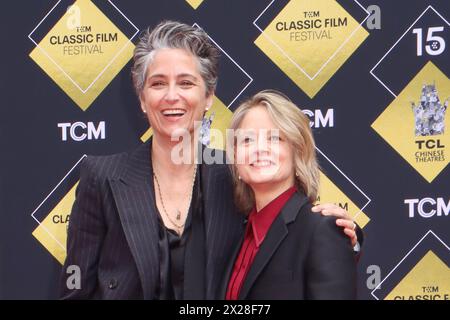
248 140
275 138
157 84
186 84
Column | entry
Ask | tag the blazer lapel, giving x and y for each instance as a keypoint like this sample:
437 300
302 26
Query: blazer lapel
134 198
212 218
277 232
229 269
223 224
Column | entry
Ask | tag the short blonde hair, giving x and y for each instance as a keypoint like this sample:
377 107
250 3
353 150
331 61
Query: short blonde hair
294 124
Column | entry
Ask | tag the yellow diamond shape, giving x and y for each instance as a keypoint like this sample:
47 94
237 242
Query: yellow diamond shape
221 122
83 52
310 57
330 193
52 232
429 274
195 3
397 125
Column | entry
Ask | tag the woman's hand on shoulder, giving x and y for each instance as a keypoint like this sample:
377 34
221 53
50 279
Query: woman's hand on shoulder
343 219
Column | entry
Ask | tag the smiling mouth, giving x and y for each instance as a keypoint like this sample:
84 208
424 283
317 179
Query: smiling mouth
173 113
262 163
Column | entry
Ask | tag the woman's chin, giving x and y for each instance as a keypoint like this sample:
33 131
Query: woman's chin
259 180
176 132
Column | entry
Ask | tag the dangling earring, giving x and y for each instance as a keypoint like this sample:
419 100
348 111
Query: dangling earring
206 128
239 177
296 174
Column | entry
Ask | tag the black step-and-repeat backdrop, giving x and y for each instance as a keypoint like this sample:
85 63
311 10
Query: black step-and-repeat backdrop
372 76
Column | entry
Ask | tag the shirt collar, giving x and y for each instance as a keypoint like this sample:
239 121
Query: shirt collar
261 221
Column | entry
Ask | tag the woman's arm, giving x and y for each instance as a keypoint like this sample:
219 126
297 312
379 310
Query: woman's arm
330 265
84 240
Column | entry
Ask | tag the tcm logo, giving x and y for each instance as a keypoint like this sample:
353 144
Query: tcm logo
319 119
427 293
80 131
343 205
428 207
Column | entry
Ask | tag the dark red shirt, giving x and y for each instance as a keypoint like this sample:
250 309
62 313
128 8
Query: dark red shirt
258 225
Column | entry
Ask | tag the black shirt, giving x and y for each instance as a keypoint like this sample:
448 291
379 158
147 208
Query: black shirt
182 258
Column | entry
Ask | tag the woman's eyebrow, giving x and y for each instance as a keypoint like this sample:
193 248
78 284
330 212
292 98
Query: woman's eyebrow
189 75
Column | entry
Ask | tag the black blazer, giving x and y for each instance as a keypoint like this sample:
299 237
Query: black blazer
303 256
113 229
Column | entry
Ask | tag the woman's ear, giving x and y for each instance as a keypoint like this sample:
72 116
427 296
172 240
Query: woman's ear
142 104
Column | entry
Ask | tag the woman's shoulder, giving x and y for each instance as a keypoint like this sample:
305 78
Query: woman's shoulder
316 219
111 165
306 218
316 229
214 159
212 156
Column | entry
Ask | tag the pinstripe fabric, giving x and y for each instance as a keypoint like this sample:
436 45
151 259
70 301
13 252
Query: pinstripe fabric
113 229
224 225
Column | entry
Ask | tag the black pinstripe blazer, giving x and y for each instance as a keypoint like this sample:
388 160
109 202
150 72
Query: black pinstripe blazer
113 229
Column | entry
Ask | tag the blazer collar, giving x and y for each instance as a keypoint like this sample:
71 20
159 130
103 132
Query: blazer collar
138 169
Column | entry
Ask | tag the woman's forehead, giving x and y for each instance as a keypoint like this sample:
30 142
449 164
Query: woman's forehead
173 60
257 118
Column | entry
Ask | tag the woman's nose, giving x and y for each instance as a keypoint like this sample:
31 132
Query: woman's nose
263 144
172 94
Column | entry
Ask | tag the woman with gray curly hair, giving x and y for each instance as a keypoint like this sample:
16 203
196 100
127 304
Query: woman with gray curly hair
144 224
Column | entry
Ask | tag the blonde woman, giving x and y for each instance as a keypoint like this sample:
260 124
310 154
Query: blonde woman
287 251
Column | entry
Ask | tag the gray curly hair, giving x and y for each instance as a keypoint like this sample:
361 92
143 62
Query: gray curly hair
175 35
